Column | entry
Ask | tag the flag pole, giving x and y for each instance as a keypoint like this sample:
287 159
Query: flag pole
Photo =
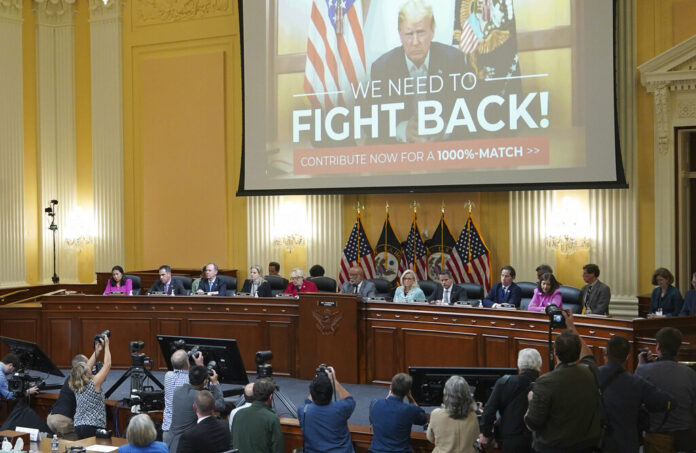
414 205
386 237
469 204
442 237
358 207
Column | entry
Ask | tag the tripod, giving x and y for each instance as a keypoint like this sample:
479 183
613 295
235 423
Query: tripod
138 373
265 371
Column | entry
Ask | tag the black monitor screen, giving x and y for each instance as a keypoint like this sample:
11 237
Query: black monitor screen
429 382
224 352
31 356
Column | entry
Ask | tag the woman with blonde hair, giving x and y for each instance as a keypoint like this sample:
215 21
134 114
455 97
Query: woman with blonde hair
454 427
255 284
409 291
142 435
90 411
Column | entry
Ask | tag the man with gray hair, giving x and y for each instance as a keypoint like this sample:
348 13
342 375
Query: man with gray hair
211 284
509 398
172 380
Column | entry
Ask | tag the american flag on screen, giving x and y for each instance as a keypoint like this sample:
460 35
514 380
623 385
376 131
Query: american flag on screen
471 34
470 260
335 52
357 253
415 254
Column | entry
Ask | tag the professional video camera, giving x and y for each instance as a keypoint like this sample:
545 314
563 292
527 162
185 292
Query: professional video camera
147 399
263 369
20 382
555 315
191 350
142 398
139 359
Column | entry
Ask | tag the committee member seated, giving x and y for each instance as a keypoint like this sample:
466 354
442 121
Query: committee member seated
298 284
595 295
546 293
197 281
9 365
255 284
166 284
316 271
505 292
665 300
324 422
90 408
256 429
358 285
454 427
543 269
208 435
142 437
172 381
391 418
447 293
60 419
211 285
689 307
117 284
409 291
509 399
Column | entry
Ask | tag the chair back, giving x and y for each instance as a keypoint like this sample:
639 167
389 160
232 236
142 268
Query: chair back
428 287
570 296
230 283
382 287
136 283
474 291
278 284
527 292
324 284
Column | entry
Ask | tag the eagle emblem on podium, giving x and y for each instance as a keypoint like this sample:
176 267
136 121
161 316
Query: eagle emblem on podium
327 321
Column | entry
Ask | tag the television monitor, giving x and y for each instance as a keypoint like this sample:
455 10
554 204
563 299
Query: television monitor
429 382
223 351
31 356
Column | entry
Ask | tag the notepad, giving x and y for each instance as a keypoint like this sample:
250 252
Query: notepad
102 448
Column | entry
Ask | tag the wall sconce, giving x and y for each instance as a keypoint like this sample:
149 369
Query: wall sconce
291 225
565 229
79 229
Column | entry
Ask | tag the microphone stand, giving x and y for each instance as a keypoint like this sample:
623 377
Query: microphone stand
51 211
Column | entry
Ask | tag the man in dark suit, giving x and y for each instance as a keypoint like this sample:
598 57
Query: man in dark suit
505 292
211 285
447 293
594 296
210 435
420 60
167 285
358 285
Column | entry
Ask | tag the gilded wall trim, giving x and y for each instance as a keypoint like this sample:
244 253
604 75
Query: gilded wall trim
150 12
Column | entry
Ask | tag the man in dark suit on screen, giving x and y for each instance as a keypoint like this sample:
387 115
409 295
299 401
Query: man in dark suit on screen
419 60
210 435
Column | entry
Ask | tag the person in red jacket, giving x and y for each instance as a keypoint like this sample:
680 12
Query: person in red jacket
298 284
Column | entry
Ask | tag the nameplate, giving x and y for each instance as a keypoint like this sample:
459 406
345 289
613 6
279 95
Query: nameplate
327 303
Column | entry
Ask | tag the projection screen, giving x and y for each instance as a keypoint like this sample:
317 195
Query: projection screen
427 95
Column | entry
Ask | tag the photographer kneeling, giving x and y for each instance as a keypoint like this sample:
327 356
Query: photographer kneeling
324 422
9 365
90 410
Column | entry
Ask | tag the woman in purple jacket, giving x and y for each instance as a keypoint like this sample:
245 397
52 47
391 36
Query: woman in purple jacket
546 293
118 284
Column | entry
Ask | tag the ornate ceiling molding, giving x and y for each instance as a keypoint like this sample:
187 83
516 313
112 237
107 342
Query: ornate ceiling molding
54 12
150 12
104 10
11 9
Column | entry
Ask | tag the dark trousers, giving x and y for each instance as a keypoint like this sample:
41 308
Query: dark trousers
517 446
85 431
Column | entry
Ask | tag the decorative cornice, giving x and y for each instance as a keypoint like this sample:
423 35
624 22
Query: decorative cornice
660 94
11 9
150 12
54 12
100 10
669 59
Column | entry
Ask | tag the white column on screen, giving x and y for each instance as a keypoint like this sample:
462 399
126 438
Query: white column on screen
12 267
529 213
260 221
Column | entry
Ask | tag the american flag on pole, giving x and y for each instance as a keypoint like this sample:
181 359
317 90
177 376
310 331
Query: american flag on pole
357 253
415 254
471 34
470 260
335 52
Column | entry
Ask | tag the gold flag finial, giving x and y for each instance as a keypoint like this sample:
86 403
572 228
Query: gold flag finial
414 206
358 207
442 208
470 205
386 207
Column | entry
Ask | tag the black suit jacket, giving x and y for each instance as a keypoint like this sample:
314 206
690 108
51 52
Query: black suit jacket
209 436
174 284
513 296
264 289
218 285
458 293
443 61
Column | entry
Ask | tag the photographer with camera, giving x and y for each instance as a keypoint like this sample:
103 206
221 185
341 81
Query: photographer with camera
60 419
173 380
183 415
672 430
324 422
564 403
9 365
90 410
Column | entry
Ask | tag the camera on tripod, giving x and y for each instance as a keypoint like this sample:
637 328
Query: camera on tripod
138 359
263 369
556 318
